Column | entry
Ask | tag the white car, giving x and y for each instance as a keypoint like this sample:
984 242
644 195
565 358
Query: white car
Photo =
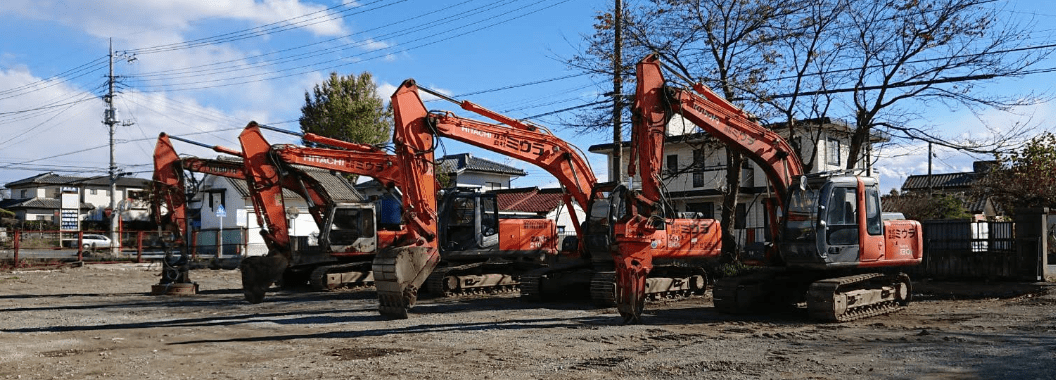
91 242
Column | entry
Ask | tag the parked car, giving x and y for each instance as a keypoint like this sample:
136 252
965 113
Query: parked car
91 242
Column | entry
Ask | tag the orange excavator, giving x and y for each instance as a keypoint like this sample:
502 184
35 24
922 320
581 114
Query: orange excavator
830 242
170 207
480 252
411 266
348 227
347 230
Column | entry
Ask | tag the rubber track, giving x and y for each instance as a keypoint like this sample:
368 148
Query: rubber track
603 289
530 286
726 290
434 285
827 289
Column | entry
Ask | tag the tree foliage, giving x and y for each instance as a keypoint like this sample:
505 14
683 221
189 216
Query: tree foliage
1024 178
347 108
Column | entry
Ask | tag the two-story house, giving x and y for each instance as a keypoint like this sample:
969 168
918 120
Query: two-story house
695 169
66 201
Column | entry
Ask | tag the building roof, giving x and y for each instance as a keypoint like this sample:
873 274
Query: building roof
37 203
51 178
335 185
529 199
948 181
458 163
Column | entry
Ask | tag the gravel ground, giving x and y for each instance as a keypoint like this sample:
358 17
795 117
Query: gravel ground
99 321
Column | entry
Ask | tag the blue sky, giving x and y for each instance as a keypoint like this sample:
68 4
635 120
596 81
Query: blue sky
203 68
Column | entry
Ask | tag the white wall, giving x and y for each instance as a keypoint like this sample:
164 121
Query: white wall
481 179
563 217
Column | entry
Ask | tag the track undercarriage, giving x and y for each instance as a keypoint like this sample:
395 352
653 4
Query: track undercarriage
838 299
469 279
342 275
664 283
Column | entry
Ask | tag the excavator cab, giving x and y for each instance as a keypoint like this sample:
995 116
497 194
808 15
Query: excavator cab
828 217
469 221
349 227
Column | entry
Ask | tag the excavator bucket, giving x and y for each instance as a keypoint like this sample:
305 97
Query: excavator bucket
399 272
259 272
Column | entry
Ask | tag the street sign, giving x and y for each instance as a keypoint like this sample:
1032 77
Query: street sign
221 212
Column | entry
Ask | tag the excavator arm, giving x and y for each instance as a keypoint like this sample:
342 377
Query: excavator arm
523 141
170 193
646 231
416 128
656 102
169 184
402 269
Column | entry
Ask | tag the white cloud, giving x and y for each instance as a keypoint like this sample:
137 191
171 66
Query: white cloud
105 18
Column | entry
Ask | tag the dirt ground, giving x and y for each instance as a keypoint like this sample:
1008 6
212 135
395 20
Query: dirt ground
99 321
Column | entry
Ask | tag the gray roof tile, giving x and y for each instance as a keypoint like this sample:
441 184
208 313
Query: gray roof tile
464 161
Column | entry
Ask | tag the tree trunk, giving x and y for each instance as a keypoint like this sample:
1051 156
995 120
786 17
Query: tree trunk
729 204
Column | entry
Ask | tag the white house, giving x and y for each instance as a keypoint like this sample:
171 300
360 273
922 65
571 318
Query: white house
68 200
468 171
695 169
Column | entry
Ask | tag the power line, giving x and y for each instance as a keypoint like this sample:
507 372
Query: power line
263 30
431 39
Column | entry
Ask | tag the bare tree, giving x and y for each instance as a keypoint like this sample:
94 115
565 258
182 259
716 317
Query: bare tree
727 45
805 59
929 51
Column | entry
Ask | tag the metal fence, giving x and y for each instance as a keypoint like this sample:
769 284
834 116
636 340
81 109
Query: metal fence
972 250
21 248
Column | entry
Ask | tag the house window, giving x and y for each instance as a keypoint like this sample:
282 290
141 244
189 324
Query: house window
92 191
672 164
706 209
833 156
492 185
698 168
747 173
23 192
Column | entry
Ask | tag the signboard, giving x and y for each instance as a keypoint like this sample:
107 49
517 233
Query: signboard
221 212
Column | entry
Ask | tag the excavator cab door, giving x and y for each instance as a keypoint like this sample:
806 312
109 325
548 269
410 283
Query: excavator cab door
822 228
468 221
840 223
350 227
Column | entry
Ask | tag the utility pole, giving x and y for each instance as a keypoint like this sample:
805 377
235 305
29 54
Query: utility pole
617 95
110 119
930 189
